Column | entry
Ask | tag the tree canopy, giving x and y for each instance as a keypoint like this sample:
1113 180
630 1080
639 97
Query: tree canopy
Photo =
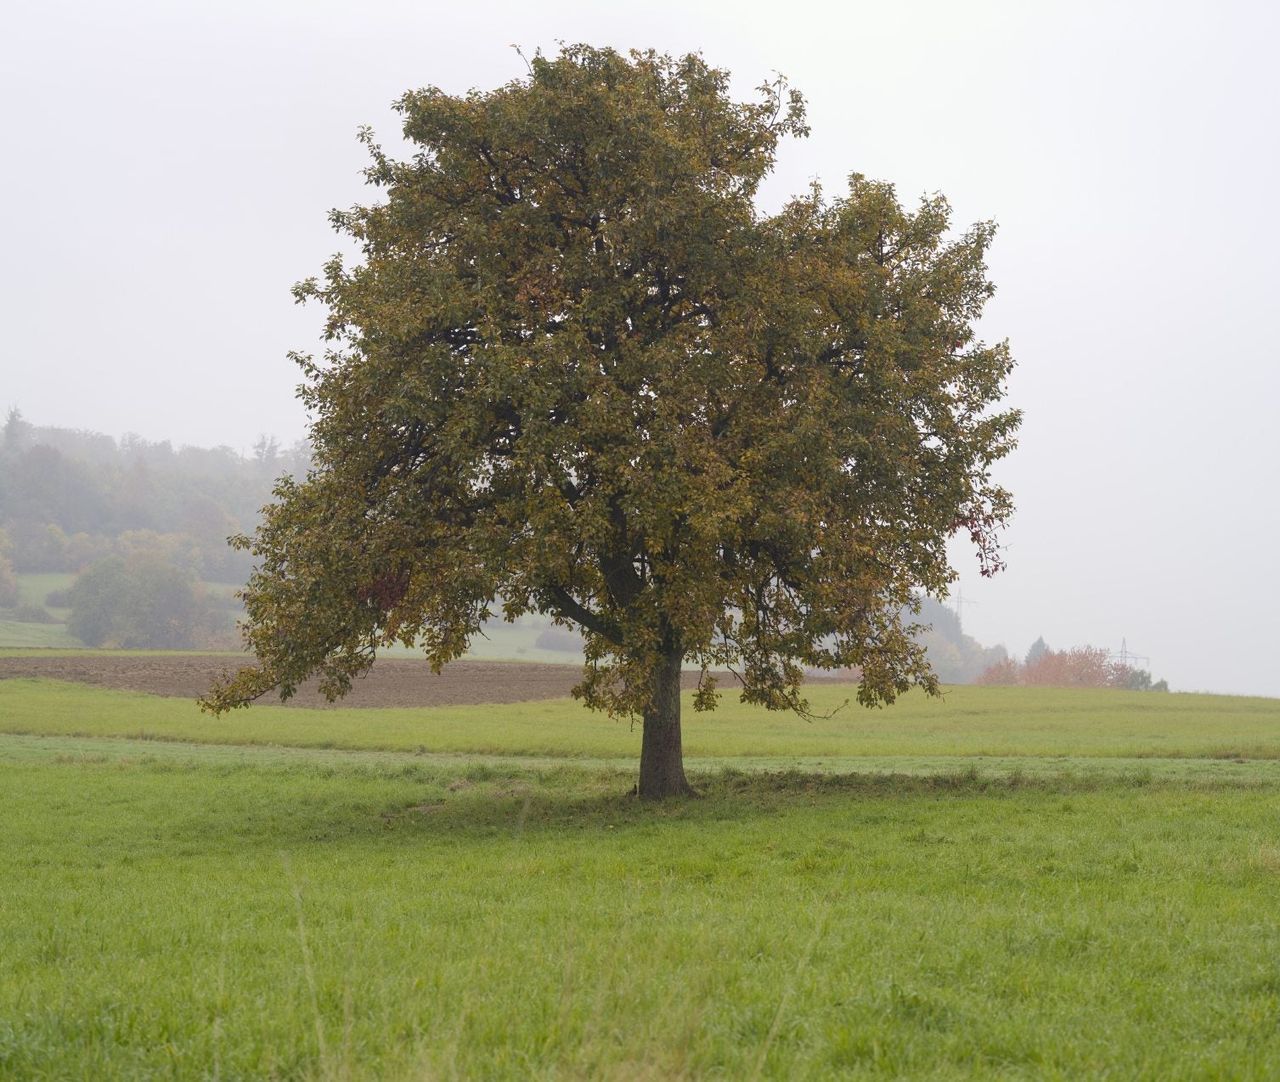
577 371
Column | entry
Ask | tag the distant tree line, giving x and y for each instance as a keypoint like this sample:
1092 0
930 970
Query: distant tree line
1079 667
69 498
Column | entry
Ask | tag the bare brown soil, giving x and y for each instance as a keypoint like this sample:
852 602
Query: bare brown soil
391 682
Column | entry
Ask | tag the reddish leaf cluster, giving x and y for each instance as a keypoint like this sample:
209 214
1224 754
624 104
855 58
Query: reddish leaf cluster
386 591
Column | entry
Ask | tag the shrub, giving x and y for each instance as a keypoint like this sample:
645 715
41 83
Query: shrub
1129 678
33 614
142 601
1007 671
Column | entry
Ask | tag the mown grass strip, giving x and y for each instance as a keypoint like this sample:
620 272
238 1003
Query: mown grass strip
1089 769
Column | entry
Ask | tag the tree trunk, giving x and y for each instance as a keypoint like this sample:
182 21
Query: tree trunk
661 756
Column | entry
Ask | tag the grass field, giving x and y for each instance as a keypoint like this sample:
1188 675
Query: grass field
33 588
19 635
1017 884
965 721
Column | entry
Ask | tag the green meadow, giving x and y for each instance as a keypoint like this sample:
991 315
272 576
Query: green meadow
22 636
964 721
1002 883
35 588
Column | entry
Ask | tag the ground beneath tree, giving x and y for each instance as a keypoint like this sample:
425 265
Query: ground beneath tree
392 681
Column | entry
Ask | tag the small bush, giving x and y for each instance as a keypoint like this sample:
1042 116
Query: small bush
33 614
1007 671
58 599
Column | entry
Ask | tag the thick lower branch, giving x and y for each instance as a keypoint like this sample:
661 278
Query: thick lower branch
568 606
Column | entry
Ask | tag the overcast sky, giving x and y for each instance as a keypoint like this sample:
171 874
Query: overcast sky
168 168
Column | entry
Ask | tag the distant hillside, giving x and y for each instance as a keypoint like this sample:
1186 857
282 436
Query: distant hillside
956 657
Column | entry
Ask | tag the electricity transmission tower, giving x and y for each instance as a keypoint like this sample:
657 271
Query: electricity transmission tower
1124 657
958 607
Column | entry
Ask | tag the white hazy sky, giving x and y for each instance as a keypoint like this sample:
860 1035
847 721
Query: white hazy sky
168 166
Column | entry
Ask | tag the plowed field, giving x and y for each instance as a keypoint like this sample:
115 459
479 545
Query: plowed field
391 682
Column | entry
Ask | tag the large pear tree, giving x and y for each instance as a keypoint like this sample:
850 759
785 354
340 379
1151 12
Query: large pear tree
577 371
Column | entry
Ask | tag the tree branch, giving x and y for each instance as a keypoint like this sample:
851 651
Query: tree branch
566 605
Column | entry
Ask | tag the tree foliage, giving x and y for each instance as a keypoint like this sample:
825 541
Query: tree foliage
578 372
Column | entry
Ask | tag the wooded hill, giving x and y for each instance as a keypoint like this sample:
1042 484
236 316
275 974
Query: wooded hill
69 498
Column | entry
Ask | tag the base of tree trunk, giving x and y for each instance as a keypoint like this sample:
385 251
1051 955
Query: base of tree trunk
661 753
680 790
